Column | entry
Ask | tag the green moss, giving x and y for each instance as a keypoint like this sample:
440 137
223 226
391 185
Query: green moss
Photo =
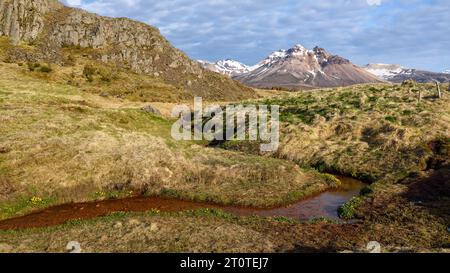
45 69
282 219
348 210
332 180
367 190
391 119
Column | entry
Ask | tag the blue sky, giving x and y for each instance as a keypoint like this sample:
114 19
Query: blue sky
413 33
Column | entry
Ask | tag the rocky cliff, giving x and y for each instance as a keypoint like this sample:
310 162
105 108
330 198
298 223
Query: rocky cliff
50 27
24 19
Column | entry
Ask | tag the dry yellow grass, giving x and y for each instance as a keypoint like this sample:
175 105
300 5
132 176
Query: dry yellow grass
367 131
62 145
152 233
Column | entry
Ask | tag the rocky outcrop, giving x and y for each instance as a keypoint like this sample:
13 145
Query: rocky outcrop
51 26
122 40
24 19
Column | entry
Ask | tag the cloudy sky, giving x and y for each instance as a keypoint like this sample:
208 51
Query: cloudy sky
413 33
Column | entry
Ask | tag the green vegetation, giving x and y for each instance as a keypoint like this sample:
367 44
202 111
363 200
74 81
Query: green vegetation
37 67
347 211
106 147
363 131
98 148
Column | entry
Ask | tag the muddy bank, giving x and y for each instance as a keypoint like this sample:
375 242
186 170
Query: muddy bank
322 205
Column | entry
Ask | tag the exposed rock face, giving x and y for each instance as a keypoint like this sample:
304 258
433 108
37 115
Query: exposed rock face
52 26
121 40
23 19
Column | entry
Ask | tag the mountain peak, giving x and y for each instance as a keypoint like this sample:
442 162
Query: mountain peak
299 68
298 50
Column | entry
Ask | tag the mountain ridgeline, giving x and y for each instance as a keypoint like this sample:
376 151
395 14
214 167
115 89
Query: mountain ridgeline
47 31
397 74
298 68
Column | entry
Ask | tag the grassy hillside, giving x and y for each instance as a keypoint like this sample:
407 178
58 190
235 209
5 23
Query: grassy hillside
80 68
367 131
60 144
383 134
109 47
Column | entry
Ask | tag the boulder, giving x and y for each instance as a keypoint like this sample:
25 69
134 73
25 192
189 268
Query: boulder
152 110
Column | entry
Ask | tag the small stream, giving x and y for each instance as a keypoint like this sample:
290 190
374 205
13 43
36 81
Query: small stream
322 205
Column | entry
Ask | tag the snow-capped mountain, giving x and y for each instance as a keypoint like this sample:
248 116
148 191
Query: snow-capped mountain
302 68
272 58
385 71
234 68
295 68
227 67
396 73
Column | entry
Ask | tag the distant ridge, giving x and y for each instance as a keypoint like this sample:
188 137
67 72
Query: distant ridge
396 73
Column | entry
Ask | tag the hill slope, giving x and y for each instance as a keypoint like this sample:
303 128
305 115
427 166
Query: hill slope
45 31
63 145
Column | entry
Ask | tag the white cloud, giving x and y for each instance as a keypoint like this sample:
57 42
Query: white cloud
374 2
74 2
248 30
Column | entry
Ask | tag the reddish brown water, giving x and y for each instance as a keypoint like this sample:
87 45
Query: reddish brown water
325 204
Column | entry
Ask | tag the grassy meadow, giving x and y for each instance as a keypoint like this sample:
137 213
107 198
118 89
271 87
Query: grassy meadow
72 139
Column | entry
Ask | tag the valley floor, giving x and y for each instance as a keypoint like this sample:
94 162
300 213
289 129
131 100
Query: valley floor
59 144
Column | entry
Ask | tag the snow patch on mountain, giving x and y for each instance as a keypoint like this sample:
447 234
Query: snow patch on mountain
226 67
233 68
295 68
397 73
271 59
385 71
